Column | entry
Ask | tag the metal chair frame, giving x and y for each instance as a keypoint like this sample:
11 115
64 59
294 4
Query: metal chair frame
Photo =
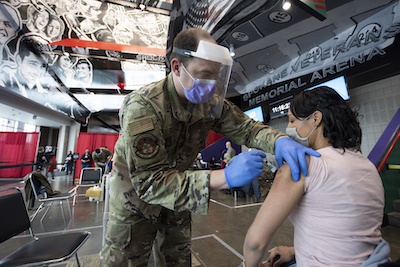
41 196
41 251
82 179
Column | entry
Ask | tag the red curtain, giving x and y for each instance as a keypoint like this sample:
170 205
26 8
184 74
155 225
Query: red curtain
93 141
16 149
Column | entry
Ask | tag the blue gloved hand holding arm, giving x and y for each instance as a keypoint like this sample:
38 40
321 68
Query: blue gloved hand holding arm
246 166
294 154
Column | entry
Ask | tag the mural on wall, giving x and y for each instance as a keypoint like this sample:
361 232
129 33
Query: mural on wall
54 50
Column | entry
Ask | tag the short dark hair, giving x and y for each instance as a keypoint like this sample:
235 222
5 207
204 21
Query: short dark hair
28 44
97 150
189 40
82 61
341 124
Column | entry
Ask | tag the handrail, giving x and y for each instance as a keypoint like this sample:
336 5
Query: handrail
26 165
386 138
383 162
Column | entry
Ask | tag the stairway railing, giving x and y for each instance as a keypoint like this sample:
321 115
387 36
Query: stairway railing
388 138
383 162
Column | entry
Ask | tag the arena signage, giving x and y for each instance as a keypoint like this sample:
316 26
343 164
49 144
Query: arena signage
367 39
260 94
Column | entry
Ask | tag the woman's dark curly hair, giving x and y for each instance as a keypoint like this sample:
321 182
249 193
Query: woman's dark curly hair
341 124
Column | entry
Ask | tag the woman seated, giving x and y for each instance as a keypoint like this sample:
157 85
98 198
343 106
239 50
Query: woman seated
337 209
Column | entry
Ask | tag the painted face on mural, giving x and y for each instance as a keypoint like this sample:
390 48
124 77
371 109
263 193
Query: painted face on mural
64 62
53 28
32 69
7 30
82 71
41 19
91 9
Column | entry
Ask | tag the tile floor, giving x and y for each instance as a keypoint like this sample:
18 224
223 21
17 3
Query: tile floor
216 238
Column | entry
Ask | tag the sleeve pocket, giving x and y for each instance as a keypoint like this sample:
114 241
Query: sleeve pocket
118 235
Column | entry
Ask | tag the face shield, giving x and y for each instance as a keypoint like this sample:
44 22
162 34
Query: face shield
209 91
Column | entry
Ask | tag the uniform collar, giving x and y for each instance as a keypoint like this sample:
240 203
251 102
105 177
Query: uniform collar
178 111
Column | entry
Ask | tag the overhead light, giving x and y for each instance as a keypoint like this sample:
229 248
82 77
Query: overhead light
286 4
231 50
142 7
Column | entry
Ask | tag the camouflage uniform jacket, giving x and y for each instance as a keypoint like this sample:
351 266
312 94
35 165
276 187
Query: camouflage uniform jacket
159 142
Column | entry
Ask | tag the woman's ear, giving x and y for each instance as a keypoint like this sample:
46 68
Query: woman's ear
317 117
175 66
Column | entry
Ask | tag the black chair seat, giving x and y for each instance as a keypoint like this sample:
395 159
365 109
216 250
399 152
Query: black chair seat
46 250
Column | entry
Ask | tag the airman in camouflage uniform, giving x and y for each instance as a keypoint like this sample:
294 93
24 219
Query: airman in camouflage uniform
152 192
101 158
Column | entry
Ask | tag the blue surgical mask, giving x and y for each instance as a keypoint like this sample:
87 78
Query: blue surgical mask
202 89
292 132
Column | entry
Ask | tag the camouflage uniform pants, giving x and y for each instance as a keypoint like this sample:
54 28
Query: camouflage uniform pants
130 238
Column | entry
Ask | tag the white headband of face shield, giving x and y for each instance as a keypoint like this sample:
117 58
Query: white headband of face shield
207 51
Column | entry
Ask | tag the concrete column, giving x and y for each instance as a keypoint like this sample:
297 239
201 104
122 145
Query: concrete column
50 137
61 145
67 138
74 130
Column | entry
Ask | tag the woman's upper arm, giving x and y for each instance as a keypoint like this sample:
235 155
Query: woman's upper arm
280 201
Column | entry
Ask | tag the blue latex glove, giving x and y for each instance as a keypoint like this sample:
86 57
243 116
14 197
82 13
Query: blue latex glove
246 166
294 154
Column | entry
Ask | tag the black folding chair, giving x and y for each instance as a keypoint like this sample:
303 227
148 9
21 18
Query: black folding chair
41 251
47 201
89 177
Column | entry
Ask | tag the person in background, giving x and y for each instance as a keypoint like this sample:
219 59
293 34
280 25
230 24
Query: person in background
86 159
100 157
51 160
69 162
214 165
108 166
40 158
164 127
337 210
224 163
199 163
230 151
